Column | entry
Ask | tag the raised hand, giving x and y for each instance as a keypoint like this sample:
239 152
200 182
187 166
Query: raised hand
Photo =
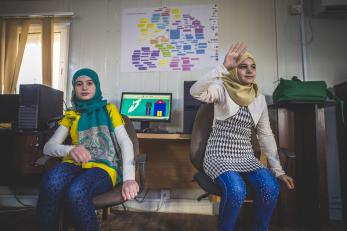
234 54
80 154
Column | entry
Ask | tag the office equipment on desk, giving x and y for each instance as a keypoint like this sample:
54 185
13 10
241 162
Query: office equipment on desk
147 107
9 108
156 131
37 105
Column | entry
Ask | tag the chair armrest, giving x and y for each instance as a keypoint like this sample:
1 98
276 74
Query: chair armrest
140 160
48 162
287 159
207 184
42 160
287 153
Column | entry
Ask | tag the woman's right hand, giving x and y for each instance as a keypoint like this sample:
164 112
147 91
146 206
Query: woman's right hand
233 55
287 180
80 154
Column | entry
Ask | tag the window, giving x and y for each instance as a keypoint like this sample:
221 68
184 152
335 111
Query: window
31 68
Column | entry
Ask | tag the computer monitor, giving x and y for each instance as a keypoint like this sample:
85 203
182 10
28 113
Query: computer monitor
146 107
9 108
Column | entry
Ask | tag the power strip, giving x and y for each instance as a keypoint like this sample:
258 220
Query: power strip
165 194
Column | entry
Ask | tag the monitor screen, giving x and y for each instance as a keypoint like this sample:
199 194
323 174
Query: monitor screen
146 106
9 108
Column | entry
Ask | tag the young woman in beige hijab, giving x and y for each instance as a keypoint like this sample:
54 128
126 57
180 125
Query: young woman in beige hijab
229 159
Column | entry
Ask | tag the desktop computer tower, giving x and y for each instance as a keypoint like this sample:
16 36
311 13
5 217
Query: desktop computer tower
191 106
37 105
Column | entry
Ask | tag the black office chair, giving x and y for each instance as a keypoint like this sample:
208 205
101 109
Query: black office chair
201 130
114 196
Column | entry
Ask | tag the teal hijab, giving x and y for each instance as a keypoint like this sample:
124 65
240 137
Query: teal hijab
93 111
95 128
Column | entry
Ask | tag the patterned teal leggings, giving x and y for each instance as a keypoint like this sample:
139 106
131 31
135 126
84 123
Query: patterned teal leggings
233 190
71 188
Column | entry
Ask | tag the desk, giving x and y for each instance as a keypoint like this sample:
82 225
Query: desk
168 160
20 150
7 136
165 136
28 148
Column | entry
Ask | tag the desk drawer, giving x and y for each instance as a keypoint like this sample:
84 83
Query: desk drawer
26 153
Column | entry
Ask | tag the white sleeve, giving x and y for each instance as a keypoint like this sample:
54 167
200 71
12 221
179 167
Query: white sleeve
54 146
127 150
210 87
268 144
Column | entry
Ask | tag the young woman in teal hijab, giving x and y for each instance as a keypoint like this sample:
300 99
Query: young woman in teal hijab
101 155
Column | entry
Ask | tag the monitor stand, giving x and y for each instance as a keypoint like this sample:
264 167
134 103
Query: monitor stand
144 126
146 129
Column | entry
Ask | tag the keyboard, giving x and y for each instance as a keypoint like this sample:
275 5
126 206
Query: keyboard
154 130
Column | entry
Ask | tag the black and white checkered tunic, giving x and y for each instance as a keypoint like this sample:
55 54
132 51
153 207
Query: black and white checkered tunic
229 146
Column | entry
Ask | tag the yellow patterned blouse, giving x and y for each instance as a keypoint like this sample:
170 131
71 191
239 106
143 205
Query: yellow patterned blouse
70 121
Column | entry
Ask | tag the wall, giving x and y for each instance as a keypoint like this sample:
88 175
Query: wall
270 32
327 54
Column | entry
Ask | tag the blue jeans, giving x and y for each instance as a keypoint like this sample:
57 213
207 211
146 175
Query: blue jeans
233 189
71 188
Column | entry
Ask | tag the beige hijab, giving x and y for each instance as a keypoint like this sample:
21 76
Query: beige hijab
240 93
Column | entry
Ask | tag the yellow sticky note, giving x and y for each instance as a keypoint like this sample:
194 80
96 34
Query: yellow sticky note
162 62
176 11
151 25
143 20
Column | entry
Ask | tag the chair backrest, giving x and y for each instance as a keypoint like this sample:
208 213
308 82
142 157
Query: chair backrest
114 196
200 133
129 127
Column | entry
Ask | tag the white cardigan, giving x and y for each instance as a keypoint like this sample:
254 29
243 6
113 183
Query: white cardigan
210 89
